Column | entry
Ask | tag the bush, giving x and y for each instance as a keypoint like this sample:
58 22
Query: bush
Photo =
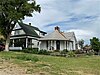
44 52
35 51
55 54
56 50
79 52
71 54
27 57
91 52
31 50
64 51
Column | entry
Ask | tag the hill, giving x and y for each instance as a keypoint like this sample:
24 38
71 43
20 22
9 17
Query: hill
18 63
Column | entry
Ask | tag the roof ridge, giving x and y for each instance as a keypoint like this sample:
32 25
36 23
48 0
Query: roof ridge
62 34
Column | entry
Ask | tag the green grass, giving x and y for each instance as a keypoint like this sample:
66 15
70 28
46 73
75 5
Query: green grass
52 65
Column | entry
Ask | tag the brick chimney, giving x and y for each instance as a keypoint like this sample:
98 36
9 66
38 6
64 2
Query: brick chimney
57 28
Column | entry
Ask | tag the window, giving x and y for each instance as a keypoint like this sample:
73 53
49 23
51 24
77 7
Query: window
18 32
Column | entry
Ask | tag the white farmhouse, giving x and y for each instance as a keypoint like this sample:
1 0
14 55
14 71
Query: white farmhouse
25 36
58 40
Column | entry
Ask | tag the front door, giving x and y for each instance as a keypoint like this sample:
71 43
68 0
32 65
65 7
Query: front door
57 45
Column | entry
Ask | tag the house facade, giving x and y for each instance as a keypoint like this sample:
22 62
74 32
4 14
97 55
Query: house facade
58 40
25 36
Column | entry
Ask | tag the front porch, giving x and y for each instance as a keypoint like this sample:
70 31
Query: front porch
24 42
57 45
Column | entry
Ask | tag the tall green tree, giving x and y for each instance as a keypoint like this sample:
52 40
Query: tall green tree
95 43
12 11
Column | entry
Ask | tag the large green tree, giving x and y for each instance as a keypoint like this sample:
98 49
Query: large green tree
95 43
12 11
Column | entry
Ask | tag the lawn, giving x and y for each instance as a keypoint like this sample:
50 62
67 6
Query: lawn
18 63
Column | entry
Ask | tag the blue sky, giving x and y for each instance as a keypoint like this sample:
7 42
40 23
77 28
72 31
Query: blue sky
79 16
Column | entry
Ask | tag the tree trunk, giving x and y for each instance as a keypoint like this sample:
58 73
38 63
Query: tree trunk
7 43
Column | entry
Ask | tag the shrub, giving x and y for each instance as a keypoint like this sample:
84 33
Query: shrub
91 52
44 52
79 52
56 50
35 51
64 51
27 57
71 54
31 50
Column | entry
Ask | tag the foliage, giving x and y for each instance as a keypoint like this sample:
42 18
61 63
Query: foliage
64 51
36 51
81 43
91 52
44 52
95 43
79 51
56 50
2 40
71 54
27 57
12 11
31 50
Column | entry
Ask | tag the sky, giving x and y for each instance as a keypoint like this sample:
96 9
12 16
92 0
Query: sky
79 16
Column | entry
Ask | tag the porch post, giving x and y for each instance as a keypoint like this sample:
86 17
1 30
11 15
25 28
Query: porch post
39 45
51 45
13 43
65 44
54 45
72 46
26 42
68 45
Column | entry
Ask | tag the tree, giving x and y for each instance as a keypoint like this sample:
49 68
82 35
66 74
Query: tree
81 43
12 11
95 43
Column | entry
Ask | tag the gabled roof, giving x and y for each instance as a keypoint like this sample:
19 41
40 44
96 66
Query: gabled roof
69 35
29 30
57 35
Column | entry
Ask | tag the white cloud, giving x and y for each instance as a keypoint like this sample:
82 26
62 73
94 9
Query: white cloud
81 16
83 34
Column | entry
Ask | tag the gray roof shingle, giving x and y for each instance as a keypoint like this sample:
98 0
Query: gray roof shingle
57 35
